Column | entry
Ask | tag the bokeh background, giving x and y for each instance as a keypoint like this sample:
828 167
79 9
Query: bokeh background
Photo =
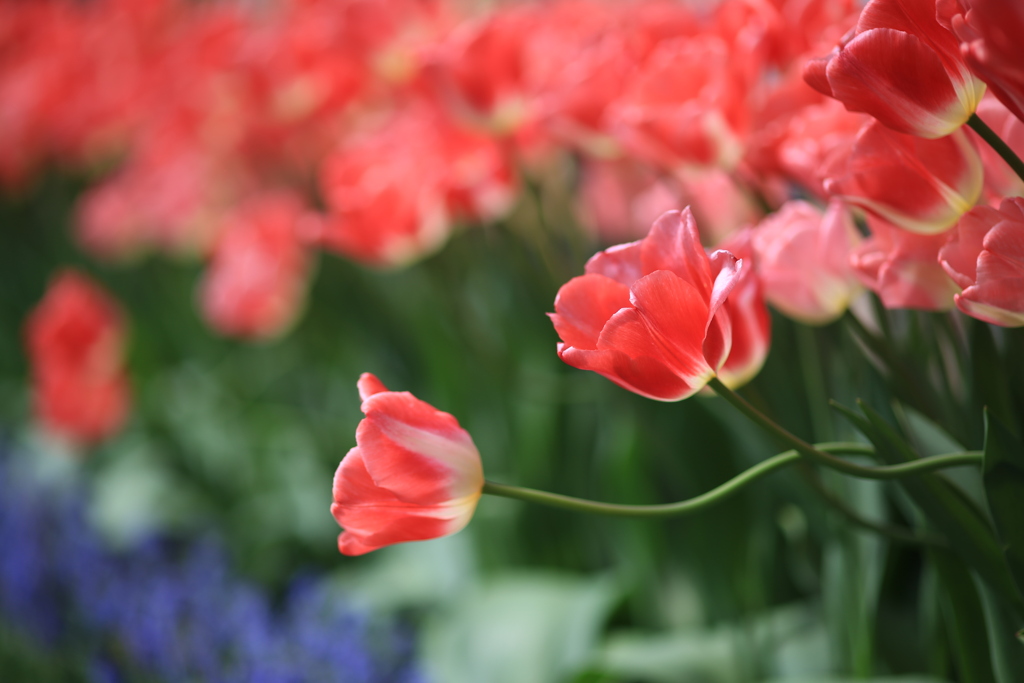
197 542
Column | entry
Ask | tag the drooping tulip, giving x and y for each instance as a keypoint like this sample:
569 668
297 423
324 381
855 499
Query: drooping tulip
414 474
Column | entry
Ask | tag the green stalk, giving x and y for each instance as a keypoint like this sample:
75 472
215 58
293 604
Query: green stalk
723 491
997 143
820 456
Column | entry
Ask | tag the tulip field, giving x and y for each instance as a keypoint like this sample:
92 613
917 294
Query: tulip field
536 341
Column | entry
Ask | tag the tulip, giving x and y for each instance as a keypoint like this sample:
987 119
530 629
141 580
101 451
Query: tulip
803 261
75 341
923 186
649 315
985 256
255 284
902 67
990 33
414 474
903 269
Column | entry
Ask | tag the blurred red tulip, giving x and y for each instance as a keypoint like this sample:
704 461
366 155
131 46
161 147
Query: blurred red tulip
75 339
256 280
902 67
985 256
648 315
414 474
920 185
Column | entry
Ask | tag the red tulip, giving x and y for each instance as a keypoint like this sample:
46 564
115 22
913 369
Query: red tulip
923 186
649 315
985 256
256 281
75 340
413 475
902 67
990 40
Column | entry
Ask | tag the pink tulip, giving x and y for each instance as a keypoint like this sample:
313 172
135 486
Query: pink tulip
902 67
985 256
414 474
922 186
902 268
803 261
649 315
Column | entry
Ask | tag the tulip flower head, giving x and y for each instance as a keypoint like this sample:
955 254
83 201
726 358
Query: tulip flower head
902 67
985 256
75 340
649 315
803 260
414 474
902 268
919 185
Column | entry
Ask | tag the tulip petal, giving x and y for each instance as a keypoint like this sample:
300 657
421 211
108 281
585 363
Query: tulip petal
677 316
895 77
369 385
419 453
674 245
644 375
582 307
620 263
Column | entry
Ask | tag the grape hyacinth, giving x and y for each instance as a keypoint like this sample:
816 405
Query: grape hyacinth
171 610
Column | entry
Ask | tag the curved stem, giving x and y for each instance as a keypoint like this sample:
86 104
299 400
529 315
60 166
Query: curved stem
846 467
997 143
690 505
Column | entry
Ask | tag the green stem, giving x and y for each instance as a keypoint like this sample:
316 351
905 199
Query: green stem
690 505
997 143
820 456
725 490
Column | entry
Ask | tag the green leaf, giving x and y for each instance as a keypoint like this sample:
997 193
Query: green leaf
1004 489
520 627
965 618
951 512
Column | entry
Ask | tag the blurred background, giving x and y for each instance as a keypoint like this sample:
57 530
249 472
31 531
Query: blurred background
195 541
